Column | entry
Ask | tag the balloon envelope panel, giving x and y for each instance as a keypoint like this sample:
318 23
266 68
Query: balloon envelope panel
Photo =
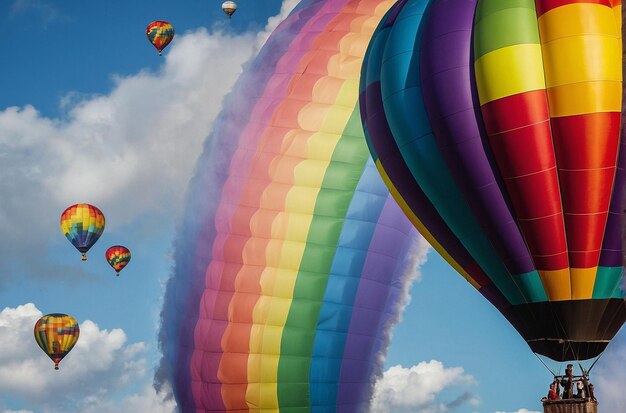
56 334
497 126
118 257
82 225
293 257
160 34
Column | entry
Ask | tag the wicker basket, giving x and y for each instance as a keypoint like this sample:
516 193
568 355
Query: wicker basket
570 406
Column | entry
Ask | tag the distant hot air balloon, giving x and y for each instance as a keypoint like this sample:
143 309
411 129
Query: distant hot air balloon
229 7
496 125
56 334
82 224
160 34
118 257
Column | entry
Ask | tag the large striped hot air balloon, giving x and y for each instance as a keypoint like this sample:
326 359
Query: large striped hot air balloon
160 33
82 225
496 124
292 260
56 334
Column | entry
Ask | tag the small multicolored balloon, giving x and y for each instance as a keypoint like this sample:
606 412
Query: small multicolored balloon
118 257
82 225
160 34
56 334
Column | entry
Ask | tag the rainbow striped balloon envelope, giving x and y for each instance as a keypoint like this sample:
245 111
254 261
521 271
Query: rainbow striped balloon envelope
56 334
160 34
82 225
293 259
496 125
118 257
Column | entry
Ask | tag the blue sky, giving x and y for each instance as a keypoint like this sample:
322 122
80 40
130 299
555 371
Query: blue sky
90 113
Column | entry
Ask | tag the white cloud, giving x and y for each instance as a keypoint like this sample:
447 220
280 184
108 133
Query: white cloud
41 9
418 388
146 401
272 22
99 368
131 152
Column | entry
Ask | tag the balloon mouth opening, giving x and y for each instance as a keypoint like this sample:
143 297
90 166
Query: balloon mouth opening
83 257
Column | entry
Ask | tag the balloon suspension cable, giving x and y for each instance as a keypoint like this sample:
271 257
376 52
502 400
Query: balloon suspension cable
545 365
571 347
594 363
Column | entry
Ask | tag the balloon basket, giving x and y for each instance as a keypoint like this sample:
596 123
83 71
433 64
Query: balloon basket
83 257
570 406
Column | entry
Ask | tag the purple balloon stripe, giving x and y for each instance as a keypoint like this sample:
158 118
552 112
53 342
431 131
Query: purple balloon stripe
377 301
381 139
446 73
611 254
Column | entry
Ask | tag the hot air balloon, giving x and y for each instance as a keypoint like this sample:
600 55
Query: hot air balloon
293 258
82 225
118 257
496 125
160 34
229 7
56 334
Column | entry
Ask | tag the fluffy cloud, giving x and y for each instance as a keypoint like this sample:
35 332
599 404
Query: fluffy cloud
101 365
418 388
137 144
146 401
274 21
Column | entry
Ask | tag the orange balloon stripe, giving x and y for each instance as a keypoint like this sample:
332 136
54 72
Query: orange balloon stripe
233 368
232 371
